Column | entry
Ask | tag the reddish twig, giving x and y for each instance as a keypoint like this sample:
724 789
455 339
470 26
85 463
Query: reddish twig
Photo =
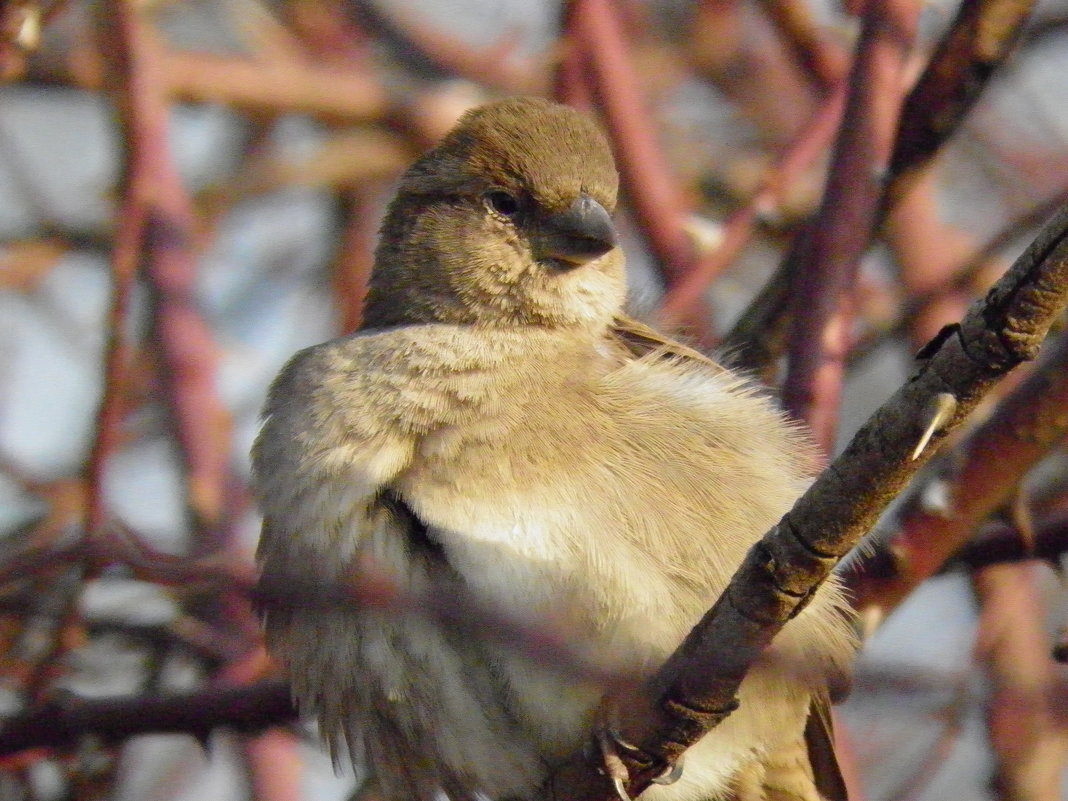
678 302
594 24
158 200
361 212
759 336
847 218
824 62
277 87
570 84
1029 739
594 28
738 49
258 86
131 69
845 753
275 766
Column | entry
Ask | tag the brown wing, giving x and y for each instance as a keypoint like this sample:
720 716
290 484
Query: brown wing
639 340
819 739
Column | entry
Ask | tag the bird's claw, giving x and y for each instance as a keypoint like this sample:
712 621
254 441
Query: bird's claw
610 743
671 774
611 765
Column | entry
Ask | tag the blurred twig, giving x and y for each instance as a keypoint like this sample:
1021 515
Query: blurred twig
978 42
66 719
824 62
164 244
846 221
360 212
997 542
593 28
1029 739
500 66
679 301
759 336
964 279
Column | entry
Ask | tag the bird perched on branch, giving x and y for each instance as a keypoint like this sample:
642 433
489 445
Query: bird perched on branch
500 428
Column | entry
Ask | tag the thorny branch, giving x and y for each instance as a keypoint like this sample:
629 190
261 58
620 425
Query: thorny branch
1025 425
701 678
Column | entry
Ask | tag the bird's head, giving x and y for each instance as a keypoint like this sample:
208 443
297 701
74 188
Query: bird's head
506 222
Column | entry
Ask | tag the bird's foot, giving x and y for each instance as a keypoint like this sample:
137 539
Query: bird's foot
611 744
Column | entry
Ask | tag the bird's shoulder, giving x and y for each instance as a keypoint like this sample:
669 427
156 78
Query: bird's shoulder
340 400
405 374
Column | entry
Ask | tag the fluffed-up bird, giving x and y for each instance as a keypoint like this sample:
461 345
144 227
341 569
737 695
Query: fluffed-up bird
499 426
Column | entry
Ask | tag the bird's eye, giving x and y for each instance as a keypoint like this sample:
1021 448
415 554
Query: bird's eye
503 203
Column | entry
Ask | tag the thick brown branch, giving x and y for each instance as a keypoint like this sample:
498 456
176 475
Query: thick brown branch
697 686
1021 431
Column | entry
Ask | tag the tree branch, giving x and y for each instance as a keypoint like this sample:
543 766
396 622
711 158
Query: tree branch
979 41
700 681
847 219
1021 431
758 337
65 720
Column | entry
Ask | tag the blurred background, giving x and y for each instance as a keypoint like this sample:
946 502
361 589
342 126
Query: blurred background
190 191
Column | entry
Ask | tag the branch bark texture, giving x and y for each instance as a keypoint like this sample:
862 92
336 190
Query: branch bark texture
696 688
1021 431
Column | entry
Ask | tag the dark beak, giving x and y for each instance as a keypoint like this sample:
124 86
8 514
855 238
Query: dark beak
579 234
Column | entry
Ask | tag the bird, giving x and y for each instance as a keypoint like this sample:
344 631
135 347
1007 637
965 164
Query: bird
499 425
